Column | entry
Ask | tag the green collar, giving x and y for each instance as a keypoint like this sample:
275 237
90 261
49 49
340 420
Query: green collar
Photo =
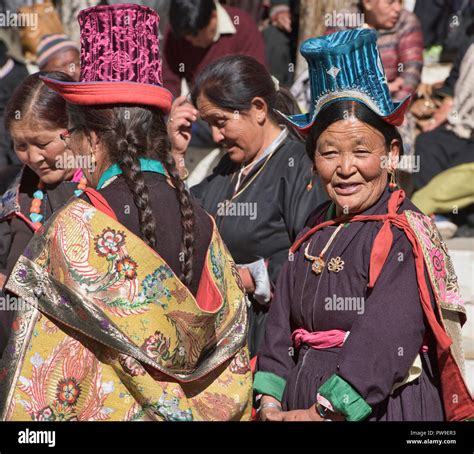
147 165
331 212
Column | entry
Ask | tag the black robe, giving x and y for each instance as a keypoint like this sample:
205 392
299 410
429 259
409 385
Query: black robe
281 202
168 232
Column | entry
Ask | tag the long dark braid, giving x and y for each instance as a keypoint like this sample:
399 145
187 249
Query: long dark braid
135 180
130 133
185 205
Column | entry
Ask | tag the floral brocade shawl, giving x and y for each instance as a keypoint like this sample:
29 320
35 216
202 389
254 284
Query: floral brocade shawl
108 332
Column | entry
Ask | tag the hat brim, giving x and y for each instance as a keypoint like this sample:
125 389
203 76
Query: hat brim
304 122
93 93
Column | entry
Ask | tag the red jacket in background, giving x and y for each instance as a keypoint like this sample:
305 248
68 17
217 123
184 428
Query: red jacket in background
180 54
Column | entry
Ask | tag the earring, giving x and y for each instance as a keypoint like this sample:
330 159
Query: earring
93 161
309 186
393 183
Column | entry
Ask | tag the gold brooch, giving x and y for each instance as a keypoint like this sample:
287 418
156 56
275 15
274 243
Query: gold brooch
336 264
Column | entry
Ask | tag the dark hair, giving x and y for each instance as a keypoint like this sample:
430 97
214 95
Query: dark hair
340 110
33 97
129 133
233 81
188 17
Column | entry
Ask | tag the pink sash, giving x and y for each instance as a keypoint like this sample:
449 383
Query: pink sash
319 339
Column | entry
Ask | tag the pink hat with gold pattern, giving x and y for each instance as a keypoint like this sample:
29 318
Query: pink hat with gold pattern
120 59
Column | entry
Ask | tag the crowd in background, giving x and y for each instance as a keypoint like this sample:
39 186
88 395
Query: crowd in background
205 146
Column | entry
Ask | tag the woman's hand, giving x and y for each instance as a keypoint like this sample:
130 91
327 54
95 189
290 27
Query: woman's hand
3 278
282 20
311 414
264 413
247 279
180 120
439 117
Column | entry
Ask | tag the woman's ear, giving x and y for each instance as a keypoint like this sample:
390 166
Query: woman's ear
93 140
394 154
260 108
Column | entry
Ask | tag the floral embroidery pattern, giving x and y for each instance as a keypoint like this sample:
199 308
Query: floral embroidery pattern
179 295
68 391
131 365
157 346
215 407
168 408
153 289
240 364
49 327
109 243
438 262
127 267
55 399
71 379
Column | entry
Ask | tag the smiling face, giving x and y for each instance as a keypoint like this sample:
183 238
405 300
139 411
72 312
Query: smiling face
40 148
241 134
349 159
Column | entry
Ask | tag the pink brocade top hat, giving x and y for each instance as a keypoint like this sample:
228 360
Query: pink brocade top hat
120 59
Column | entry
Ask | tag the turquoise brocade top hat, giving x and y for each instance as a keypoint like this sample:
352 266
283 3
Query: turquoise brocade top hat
347 65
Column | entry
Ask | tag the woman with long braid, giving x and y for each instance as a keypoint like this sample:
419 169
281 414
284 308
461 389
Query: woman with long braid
136 305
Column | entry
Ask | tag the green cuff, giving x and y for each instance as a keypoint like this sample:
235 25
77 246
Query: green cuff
269 384
345 399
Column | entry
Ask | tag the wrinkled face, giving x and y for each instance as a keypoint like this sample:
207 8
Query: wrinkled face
205 37
351 160
41 149
239 133
66 61
383 14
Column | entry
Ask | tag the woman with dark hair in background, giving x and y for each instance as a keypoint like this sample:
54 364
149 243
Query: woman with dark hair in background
35 118
261 192
137 308
367 313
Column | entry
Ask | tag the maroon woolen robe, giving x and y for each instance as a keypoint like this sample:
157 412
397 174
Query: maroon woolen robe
387 327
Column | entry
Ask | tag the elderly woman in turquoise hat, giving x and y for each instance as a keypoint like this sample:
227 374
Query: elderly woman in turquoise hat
365 324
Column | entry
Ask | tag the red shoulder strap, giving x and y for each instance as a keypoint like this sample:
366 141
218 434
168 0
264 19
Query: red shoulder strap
99 202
